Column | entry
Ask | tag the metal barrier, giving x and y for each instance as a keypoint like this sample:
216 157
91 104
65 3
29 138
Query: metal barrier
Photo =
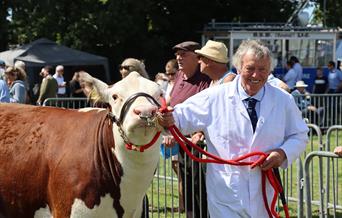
323 210
72 103
324 110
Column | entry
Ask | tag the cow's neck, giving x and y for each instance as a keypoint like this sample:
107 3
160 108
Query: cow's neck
138 171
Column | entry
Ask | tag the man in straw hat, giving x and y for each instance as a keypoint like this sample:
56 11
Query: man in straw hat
243 116
213 62
303 101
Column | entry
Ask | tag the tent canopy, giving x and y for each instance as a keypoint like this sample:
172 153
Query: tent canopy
46 52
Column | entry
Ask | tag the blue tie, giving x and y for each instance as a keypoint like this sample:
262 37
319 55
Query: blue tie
251 102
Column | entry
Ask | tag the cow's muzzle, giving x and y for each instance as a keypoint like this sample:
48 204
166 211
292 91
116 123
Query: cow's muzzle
143 114
146 113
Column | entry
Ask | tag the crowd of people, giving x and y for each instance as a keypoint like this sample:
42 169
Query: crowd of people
332 83
15 87
235 113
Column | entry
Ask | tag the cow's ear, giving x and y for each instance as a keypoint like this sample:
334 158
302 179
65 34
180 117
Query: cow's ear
101 89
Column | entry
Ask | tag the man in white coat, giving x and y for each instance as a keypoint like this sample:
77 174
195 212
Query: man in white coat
221 113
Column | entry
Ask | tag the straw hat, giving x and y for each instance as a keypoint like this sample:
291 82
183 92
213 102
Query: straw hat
300 84
216 51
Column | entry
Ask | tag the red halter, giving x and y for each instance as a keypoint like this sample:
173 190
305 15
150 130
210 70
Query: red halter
142 148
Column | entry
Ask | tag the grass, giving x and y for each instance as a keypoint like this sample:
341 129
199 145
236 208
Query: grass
163 193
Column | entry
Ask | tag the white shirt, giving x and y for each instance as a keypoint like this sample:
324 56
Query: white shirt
60 81
299 71
235 191
290 78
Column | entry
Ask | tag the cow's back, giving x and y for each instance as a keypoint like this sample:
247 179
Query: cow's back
47 157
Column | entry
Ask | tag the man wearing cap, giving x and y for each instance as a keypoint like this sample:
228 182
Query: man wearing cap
60 81
213 62
188 82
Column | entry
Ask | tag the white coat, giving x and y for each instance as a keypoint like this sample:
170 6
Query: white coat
235 191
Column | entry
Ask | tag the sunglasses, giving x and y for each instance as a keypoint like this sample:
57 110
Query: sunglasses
170 74
124 67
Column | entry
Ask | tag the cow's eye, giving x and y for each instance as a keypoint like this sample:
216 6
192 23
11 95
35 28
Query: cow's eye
115 96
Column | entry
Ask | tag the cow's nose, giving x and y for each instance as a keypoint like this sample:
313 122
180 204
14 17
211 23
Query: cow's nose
145 111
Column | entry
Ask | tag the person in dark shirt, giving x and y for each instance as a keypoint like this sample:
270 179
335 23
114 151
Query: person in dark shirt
75 87
320 82
189 81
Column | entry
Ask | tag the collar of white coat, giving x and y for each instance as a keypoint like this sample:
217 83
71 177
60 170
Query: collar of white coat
242 93
268 97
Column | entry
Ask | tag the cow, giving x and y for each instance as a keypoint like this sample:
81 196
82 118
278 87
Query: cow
59 163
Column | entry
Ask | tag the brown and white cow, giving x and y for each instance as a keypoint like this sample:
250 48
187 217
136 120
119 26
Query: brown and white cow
73 163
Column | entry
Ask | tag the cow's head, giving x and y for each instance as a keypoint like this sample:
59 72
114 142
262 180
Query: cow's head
135 115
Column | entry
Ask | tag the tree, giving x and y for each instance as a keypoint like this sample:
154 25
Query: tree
145 29
3 24
330 12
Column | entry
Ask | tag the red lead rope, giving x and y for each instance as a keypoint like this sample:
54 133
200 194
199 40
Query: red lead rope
269 174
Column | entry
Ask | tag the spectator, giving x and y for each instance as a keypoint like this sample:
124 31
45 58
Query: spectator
213 62
49 86
334 78
233 128
2 68
290 77
132 64
76 90
4 92
320 82
29 94
171 69
162 81
303 101
189 81
60 81
297 67
16 78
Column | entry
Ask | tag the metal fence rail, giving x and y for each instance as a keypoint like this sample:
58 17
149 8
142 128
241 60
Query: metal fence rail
72 103
324 111
323 206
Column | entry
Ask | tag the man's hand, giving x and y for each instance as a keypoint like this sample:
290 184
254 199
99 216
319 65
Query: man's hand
166 119
338 150
274 160
169 141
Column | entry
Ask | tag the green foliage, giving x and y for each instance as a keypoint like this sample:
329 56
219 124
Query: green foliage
332 11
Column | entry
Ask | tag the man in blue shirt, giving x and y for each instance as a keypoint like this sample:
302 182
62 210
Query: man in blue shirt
4 92
335 78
